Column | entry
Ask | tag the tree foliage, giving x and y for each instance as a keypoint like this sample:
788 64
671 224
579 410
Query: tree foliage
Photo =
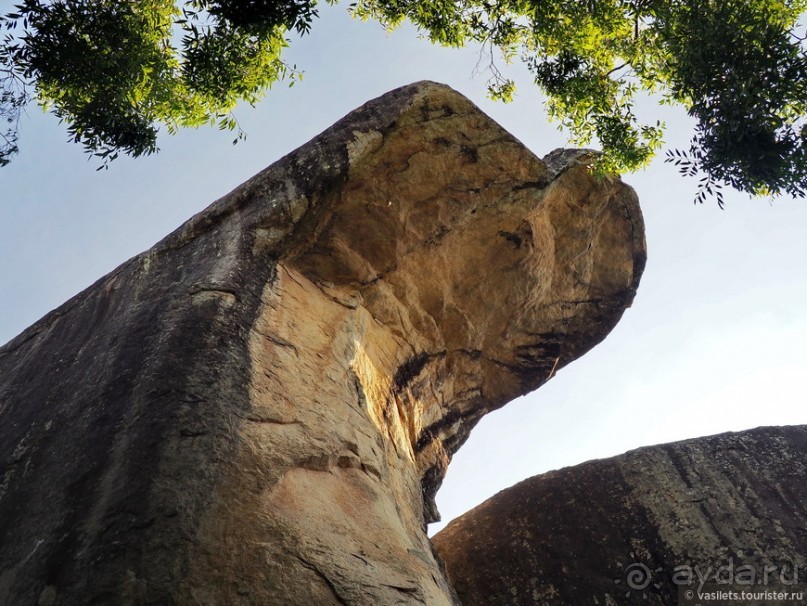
115 71
747 89
118 71
13 98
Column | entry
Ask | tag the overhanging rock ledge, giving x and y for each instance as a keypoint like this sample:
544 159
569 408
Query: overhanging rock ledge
259 409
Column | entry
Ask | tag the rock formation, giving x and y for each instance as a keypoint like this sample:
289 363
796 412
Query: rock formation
259 409
643 528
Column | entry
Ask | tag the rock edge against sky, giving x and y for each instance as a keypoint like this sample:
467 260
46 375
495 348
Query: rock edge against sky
641 527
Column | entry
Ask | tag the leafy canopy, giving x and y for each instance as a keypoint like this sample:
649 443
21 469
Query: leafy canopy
117 71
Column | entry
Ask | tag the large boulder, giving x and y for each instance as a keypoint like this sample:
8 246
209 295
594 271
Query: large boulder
685 523
259 409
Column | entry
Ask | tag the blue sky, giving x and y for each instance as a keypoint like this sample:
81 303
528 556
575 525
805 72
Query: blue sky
714 341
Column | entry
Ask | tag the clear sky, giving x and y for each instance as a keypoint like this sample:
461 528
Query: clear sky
715 340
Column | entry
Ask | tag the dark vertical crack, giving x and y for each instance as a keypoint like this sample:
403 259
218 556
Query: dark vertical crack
316 570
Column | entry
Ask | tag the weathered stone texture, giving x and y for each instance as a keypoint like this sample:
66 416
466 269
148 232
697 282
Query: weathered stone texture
259 409
721 508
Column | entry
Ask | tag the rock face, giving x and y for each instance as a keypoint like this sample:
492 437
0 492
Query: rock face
259 409
642 527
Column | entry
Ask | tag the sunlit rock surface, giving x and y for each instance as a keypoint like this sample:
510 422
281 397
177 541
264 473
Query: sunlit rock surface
722 513
259 409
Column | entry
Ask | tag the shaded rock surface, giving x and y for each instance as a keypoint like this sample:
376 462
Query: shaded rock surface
640 527
259 409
